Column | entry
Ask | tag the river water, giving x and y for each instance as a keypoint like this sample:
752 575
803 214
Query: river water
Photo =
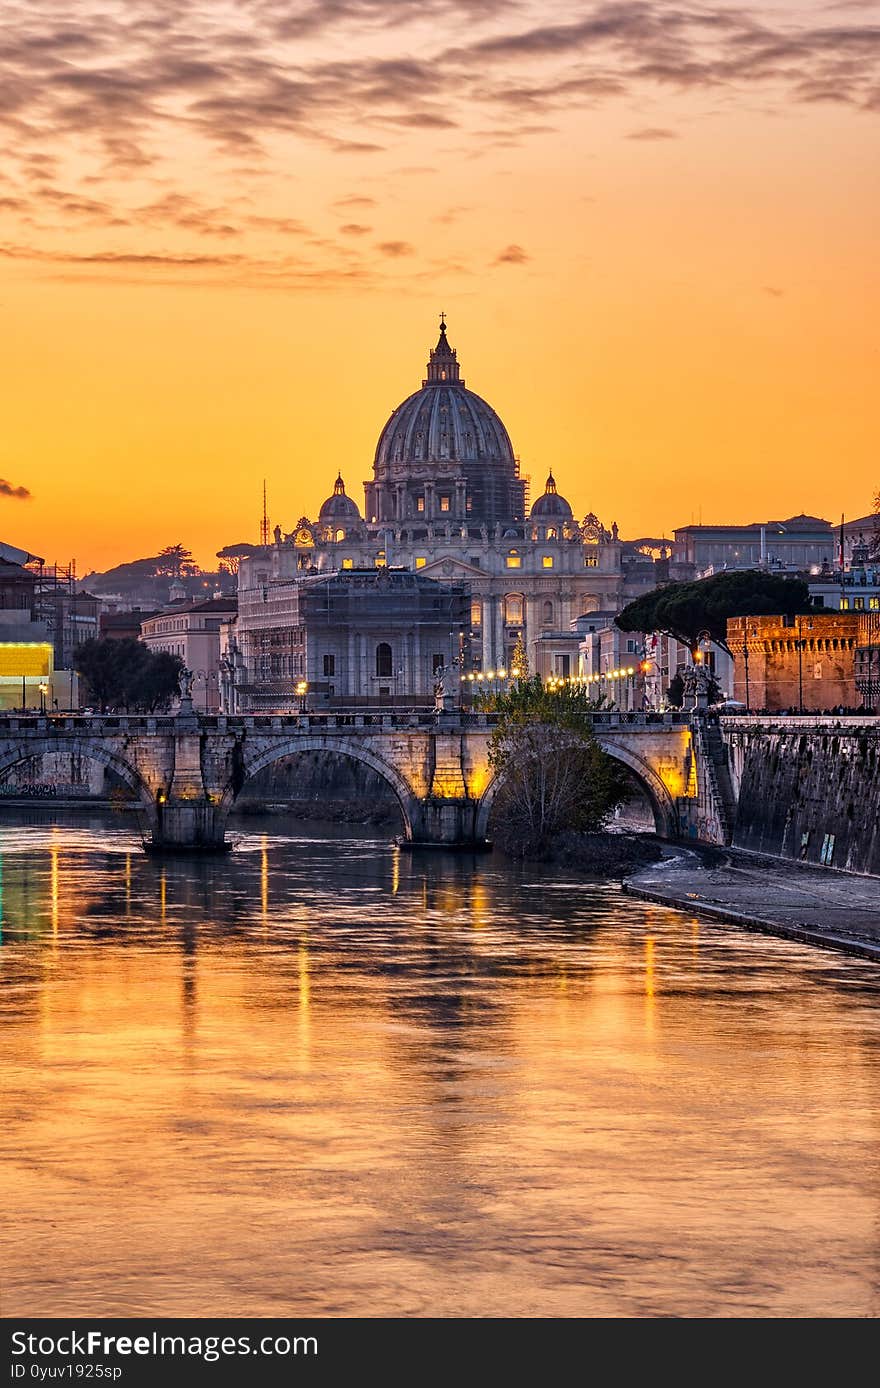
324 1077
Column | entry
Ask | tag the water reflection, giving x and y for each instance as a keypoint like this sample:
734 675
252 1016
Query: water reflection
326 1076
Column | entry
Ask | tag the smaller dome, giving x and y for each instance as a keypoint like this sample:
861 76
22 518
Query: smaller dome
339 506
551 503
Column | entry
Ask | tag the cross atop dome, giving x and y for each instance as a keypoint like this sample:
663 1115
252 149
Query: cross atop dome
443 366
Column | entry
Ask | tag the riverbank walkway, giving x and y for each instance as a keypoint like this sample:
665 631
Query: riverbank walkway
833 909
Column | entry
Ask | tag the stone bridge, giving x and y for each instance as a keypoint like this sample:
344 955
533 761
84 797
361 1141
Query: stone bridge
187 771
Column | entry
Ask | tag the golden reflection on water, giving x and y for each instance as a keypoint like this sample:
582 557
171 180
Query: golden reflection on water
419 1085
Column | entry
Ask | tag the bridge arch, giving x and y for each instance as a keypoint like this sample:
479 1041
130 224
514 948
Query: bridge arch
13 754
659 798
340 747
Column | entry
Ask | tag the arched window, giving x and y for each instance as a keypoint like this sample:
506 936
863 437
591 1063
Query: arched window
548 613
340 535
383 660
513 609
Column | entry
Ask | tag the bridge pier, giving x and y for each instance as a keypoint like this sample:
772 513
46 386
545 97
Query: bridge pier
445 822
188 826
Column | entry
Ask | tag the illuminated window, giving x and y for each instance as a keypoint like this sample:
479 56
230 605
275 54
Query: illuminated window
380 559
444 503
469 504
859 604
340 535
551 533
874 604
476 613
844 604
421 561
513 609
514 561
591 561
348 563
420 503
383 660
547 561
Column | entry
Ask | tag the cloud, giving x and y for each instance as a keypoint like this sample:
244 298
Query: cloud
511 255
652 132
395 248
354 229
773 290
18 493
137 96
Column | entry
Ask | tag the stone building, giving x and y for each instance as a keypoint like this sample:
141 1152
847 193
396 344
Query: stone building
447 500
792 663
350 639
867 660
192 631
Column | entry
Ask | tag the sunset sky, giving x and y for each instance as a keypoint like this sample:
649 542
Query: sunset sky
227 228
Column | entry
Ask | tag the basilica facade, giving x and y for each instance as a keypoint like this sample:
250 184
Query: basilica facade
446 500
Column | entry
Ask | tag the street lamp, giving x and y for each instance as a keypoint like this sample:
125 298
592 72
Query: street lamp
44 690
302 689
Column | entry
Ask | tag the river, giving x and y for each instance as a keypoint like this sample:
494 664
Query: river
325 1077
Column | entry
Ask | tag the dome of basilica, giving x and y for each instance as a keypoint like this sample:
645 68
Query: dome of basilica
339 506
550 503
443 422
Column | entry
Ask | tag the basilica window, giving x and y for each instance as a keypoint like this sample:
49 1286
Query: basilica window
476 613
513 609
552 533
469 504
548 614
444 503
514 559
381 560
383 660
348 563
546 561
340 535
420 504
591 561
421 561
329 664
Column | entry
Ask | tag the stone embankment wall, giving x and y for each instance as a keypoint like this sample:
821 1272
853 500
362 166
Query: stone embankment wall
809 790
332 787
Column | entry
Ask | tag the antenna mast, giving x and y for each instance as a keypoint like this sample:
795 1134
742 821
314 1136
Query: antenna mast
264 523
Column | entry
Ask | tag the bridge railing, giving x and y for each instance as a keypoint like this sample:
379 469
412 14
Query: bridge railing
337 720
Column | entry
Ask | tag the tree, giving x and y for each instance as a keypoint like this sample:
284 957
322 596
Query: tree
176 560
519 660
230 556
687 610
553 775
126 674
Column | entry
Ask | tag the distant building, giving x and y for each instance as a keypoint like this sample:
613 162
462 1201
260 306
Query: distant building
361 637
800 542
27 665
447 500
853 589
789 663
192 631
867 661
124 625
611 661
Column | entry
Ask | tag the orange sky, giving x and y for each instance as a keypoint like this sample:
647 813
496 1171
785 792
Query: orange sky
226 232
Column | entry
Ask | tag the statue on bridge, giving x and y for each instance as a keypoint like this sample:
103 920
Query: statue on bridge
446 689
695 684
